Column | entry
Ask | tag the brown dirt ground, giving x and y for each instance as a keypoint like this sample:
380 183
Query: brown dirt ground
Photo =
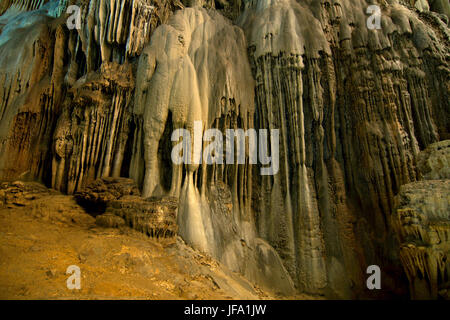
40 239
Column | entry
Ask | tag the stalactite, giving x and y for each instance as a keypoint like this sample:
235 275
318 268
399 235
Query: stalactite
361 108
354 108
21 5
93 130
177 82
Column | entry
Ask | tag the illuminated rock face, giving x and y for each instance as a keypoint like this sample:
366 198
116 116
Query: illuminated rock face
421 220
439 6
196 69
354 107
22 5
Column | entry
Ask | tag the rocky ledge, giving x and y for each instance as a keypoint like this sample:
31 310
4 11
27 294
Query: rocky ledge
116 203
155 217
96 195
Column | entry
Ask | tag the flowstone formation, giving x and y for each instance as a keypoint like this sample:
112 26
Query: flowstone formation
439 6
422 222
354 107
66 92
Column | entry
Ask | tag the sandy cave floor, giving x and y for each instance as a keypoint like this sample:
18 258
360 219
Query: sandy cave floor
39 240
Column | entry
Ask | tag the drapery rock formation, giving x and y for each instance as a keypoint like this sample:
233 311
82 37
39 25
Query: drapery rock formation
353 105
192 71
439 6
422 222
434 162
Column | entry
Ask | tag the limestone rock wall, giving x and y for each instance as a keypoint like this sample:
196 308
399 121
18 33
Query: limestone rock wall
30 93
440 6
354 107
23 5
91 133
65 92
195 70
421 222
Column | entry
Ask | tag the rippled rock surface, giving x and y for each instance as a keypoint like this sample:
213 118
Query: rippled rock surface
155 217
96 195
421 220
354 107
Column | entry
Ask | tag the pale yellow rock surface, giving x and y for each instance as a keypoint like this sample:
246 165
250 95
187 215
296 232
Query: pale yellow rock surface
354 107
421 220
